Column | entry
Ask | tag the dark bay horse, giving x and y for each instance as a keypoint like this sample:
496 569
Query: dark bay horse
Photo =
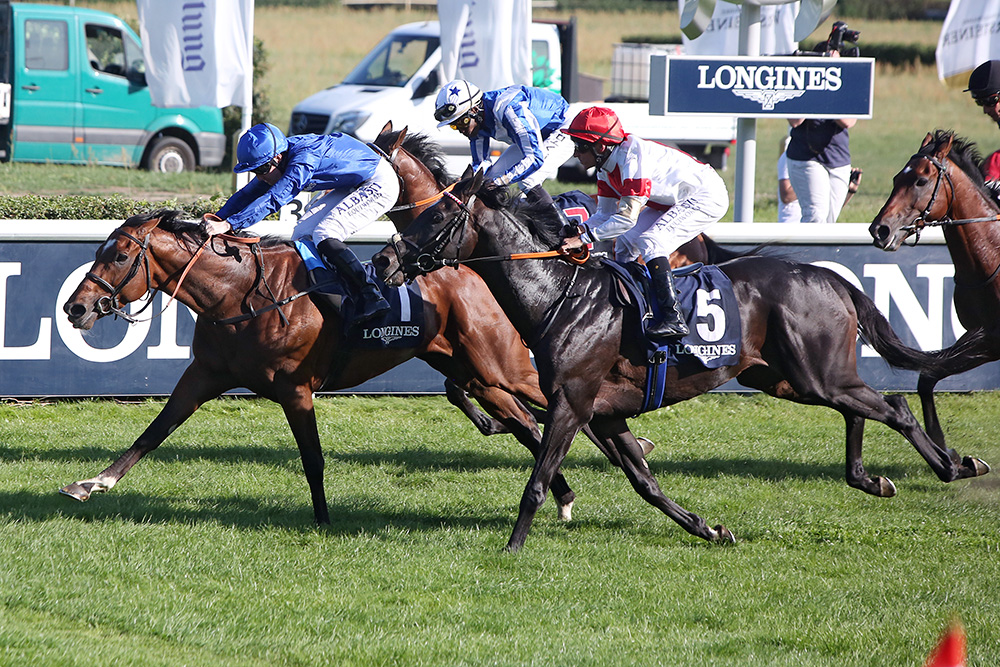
799 328
942 185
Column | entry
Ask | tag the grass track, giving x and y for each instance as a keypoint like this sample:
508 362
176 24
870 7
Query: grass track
204 554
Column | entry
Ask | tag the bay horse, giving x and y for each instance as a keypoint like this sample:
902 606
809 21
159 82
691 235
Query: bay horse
799 327
287 354
942 185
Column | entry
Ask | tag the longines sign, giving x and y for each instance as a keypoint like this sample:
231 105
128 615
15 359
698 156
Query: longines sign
762 87
42 355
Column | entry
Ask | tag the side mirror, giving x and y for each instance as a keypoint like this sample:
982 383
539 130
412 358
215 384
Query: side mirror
428 86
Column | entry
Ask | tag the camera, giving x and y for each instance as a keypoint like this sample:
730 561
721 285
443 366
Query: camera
840 34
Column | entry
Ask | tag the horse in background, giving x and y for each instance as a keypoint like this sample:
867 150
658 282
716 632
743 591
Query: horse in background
942 185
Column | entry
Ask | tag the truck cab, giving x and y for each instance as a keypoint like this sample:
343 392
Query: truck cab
78 95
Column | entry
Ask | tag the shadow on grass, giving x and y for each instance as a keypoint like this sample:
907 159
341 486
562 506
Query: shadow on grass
239 512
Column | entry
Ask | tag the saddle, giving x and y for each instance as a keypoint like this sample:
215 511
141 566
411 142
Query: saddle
401 327
706 298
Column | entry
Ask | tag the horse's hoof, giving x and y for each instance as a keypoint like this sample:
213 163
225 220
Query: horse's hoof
75 490
977 466
646 444
721 535
886 489
565 512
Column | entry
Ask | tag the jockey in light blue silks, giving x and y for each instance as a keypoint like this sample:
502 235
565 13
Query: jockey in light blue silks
362 187
526 118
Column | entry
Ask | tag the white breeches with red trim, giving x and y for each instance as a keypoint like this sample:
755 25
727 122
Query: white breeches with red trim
659 233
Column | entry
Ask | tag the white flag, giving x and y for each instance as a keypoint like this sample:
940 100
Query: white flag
486 43
198 52
968 38
721 35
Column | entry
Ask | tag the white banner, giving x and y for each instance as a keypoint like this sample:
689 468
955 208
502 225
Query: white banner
970 36
198 52
486 43
721 35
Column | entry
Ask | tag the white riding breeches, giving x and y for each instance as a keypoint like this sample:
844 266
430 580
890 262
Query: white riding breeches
338 214
658 233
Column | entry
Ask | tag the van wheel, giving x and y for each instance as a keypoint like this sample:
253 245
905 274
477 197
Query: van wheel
170 155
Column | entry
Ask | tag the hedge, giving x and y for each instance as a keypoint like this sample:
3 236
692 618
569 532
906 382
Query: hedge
92 207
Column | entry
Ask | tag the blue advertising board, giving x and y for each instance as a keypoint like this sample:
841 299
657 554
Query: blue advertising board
41 354
762 86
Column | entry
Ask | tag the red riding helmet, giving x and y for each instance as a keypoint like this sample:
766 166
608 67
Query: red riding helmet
597 125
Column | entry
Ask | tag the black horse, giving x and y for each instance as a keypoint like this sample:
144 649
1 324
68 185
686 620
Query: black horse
799 328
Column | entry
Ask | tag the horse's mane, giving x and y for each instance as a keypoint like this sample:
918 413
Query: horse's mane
173 221
964 154
541 219
431 154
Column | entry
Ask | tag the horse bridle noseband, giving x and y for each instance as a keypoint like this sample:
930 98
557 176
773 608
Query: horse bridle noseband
109 304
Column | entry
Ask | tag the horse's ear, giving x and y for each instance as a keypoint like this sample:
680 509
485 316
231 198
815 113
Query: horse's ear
386 128
399 138
928 139
467 173
477 181
942 151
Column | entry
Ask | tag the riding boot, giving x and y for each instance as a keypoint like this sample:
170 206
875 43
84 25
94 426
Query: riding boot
368 300
671 322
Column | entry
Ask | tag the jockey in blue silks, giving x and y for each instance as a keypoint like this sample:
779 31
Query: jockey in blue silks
361 185
526 118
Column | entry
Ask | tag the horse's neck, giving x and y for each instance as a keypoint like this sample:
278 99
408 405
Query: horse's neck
418 184
528 289
974 246
219 280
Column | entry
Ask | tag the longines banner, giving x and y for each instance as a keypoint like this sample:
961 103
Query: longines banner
762 87
42 355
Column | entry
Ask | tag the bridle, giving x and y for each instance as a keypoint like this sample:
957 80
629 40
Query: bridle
427 254
109 303
391 158
921 221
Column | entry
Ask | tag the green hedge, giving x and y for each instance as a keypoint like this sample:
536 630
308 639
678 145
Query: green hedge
90 207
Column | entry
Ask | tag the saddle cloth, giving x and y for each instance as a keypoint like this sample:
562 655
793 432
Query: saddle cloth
710 309
401 327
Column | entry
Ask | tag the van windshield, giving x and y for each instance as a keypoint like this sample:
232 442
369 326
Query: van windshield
393 61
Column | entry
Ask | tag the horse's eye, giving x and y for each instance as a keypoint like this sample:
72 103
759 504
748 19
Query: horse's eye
921 182
121 257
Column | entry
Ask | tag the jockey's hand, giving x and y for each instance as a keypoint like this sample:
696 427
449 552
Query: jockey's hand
214 224
572 245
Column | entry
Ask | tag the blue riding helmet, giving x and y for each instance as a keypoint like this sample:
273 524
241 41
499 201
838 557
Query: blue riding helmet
259 145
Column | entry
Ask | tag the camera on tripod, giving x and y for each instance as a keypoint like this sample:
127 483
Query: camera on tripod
841 34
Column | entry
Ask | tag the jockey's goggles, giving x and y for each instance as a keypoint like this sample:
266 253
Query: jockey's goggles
443 112
264 168
581 146
987 100
461 123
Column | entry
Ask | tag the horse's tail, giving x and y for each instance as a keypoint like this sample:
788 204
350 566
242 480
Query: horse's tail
716 254
879 334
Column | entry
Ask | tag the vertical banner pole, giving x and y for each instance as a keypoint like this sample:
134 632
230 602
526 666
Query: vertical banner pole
746 128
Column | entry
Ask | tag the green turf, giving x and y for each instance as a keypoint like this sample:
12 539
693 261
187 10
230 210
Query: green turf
205 553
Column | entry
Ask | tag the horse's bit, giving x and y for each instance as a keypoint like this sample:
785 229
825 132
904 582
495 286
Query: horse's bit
427 255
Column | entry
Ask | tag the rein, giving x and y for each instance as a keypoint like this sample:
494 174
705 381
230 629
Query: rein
109 304
412 205
428 260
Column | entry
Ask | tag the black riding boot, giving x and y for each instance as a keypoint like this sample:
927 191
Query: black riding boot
368 301
671 323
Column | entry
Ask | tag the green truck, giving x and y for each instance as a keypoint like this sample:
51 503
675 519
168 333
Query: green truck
73 90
